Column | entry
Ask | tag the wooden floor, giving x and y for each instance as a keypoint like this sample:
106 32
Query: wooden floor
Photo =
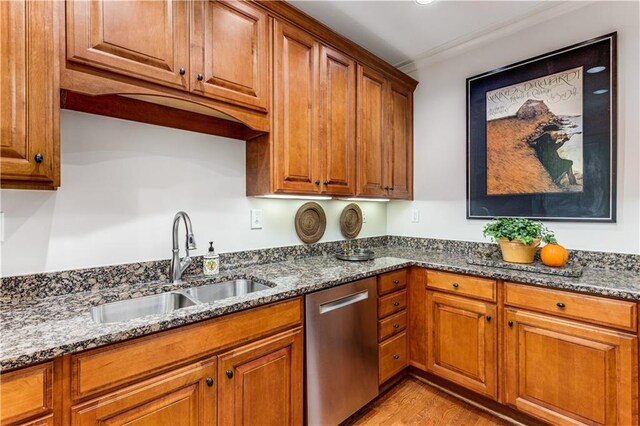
412 402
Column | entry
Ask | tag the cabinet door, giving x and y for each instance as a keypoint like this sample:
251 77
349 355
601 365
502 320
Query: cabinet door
337 122
148 40
462 342
565 372
372 133
185 396
230 51
261 383
295 120
400 142
29 95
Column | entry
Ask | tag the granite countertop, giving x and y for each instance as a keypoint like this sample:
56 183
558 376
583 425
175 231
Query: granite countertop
38 330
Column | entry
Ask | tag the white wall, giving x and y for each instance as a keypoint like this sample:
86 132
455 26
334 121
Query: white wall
122 183
440 140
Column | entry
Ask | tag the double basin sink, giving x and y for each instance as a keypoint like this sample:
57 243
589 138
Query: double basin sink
165 303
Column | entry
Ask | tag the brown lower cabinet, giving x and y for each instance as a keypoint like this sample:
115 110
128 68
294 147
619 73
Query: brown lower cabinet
547 353
565 372
186 396
27 393
236 382
463 342
261 383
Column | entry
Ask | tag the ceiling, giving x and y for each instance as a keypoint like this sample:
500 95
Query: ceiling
402 31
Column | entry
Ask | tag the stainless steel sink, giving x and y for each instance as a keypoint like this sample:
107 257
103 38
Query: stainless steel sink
139 307
164 303
218 291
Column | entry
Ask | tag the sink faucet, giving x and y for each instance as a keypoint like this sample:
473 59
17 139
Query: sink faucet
179 266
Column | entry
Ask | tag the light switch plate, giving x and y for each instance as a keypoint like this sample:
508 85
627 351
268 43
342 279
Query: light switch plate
415 216
256 218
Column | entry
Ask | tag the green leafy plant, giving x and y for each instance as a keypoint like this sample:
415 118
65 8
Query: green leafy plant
515 228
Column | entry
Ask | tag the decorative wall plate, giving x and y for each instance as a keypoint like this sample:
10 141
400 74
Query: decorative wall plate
351 221
310 222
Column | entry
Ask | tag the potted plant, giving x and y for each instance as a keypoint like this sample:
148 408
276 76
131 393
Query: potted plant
518 237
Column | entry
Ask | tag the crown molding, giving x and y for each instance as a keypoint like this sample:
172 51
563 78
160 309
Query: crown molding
490 33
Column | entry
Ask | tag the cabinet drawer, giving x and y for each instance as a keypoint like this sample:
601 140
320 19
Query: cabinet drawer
597 310
392 281
392 357
464 285
107 368
26 393
392 325
392 303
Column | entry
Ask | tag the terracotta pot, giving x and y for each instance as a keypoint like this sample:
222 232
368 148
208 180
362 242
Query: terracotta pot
517 252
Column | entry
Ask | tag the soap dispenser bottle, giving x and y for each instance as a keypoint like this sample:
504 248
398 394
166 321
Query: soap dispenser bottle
211 261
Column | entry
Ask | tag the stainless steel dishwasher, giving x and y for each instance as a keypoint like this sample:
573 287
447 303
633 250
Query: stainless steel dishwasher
342 351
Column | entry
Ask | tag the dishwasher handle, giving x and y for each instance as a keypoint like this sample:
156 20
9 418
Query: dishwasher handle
343 301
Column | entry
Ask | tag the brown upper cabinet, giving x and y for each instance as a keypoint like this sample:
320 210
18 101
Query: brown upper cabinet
230 52
372 131
314 121
385 136
29 95
314 111
337 122
147 40
321 115
209 57
295 124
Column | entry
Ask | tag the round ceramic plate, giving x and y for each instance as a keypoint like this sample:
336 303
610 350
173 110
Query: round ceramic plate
351 221
310 222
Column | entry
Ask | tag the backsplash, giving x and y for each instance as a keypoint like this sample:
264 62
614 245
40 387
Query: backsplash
59 283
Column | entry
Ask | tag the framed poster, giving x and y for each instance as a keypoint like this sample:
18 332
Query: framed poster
541 136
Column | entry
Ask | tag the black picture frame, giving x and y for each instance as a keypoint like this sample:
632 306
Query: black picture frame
596 201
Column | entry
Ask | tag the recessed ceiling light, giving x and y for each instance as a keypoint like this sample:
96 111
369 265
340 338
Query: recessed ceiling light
424 1
597 69
600 91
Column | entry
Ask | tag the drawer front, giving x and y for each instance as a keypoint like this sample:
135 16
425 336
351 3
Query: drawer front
392 281
26 393
392 303
598 310
392 325
392 357
463 285
107 368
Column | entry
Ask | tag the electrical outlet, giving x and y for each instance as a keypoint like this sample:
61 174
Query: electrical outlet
256 218
364 216
415 216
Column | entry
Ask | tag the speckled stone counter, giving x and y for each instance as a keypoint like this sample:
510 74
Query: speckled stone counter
37 329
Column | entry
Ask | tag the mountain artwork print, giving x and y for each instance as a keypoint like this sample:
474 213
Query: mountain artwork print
534 135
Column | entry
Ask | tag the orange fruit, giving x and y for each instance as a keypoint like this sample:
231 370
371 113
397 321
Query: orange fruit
554 255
